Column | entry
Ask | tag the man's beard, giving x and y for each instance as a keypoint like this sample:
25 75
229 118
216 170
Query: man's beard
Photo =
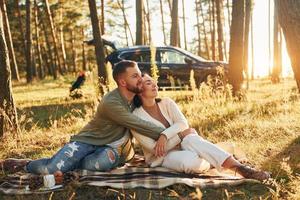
134 89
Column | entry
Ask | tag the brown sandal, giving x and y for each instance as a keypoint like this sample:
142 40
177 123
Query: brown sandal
251 173
13 165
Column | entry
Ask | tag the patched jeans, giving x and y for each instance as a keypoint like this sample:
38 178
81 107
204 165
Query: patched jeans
77 155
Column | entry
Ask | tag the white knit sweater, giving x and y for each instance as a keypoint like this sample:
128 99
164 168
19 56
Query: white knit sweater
177 121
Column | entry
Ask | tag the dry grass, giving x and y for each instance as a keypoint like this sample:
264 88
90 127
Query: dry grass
265 124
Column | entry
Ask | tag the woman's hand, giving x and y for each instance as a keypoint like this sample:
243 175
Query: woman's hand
186 132
160 146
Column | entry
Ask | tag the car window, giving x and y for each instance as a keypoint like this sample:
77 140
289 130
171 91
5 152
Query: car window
142 56
171 57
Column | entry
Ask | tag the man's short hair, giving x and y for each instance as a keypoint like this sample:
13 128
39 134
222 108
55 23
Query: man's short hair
121 67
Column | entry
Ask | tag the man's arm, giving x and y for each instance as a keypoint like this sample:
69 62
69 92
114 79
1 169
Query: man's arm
116 112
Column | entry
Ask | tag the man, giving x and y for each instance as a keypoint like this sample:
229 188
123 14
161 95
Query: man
104 143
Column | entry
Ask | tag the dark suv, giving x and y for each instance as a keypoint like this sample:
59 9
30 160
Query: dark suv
171 62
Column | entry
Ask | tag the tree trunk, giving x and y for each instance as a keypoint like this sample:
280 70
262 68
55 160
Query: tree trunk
252 47
29 71
170 5
46 59
49 50
228 13
33 63
8 113
236 45
248 14
289 19
62 42
20 24
277 50
83 51
163 21
139 23
126 25
219 6
41 72
204 31
49 16
74 54
224 36
100 56
145 26
184 27
198 28
121 6
269 34
14 66
174 39
280 51
149 22
102 18
213 31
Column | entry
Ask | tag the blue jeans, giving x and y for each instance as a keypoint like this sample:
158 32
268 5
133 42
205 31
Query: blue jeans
76 155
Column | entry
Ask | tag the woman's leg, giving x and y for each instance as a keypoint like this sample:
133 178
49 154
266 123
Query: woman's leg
219 158
66 159
103 159
185 161
205 149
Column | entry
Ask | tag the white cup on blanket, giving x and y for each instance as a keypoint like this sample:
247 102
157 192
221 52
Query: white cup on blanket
49 181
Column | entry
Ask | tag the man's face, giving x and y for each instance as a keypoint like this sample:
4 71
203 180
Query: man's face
133 79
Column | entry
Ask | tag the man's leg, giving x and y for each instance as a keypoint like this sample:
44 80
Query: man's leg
66 159
103 159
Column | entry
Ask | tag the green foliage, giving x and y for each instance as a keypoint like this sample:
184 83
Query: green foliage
172 81
154 69
192 80
111 84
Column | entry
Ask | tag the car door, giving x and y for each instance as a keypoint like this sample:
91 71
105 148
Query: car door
172 65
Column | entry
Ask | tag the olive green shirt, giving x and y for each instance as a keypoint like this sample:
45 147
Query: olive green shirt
112 120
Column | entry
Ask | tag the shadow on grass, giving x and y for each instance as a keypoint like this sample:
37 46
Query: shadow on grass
178 191
286 162
44 115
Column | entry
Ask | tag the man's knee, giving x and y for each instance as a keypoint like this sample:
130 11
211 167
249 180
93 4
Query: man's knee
111 155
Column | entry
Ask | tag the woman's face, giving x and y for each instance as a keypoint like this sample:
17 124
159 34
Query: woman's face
150 88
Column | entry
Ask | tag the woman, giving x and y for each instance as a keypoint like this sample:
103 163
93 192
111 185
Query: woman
180 148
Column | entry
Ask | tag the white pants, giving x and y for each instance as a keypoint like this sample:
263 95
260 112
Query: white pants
196 155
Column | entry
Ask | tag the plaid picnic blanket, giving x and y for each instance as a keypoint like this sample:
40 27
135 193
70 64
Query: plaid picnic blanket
129 176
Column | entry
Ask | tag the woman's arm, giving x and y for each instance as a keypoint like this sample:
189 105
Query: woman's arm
179 121
149 144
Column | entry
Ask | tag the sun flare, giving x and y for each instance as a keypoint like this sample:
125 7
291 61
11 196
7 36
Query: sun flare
261 39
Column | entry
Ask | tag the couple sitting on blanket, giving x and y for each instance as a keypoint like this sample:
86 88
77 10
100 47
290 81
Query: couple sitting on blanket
158 125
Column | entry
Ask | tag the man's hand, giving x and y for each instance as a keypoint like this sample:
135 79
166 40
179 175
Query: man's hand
186 132
160 146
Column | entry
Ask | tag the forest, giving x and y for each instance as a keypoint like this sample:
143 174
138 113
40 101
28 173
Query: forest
56 63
